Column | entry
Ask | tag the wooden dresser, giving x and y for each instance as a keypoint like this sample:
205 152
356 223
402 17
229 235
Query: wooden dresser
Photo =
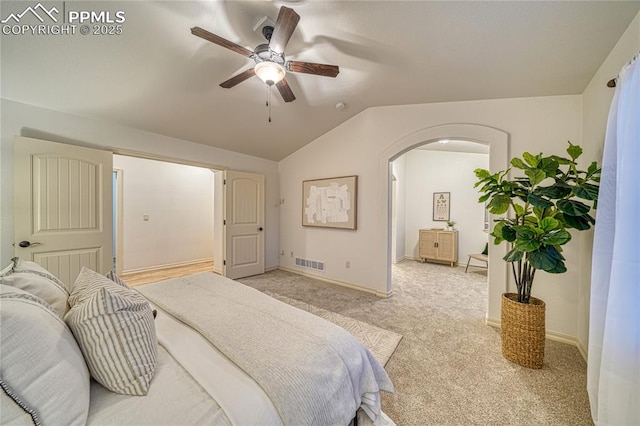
438 245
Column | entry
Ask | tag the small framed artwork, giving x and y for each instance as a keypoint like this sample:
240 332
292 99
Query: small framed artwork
441 206
330 203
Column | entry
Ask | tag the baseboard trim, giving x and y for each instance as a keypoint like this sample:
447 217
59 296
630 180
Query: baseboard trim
551 335
582 350
167 266
337 282
435 262
267 269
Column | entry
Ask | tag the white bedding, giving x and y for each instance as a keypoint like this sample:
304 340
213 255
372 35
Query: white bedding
202 375
239 396
174 398
313 371
195 384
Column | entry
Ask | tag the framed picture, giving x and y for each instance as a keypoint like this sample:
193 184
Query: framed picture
330 203
441 205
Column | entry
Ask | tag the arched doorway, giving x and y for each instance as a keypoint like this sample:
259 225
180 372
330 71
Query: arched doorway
498 142
444 168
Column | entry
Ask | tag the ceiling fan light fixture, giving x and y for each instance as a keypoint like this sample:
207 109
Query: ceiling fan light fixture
270 72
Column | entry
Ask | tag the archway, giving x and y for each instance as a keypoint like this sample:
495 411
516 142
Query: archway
498 142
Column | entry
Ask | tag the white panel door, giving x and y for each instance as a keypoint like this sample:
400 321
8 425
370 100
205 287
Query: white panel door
243 224
62 209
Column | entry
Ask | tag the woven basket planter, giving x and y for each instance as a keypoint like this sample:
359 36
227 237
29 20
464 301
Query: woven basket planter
523 330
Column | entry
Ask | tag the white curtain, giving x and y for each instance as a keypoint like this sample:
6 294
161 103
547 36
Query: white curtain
613 374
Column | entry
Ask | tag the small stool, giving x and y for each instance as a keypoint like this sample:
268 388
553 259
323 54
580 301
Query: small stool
481 257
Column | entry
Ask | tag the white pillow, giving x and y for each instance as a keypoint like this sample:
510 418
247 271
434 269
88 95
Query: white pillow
34 279
115 330
43 374
12 411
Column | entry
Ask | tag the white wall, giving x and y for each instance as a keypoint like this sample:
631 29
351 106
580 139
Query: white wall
178 202
441 171
40 123
364 144
399 166
218 216
596 101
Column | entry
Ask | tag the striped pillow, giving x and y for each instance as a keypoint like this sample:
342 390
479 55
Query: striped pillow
116 279
115 330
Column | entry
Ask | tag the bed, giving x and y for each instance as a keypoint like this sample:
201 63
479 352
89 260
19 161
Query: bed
202 350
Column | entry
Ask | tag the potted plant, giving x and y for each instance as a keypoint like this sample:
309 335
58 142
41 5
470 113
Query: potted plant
450 225
551 197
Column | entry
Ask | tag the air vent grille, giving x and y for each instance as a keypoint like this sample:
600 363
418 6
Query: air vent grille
310 264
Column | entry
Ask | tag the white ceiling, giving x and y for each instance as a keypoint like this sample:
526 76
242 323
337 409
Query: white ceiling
160 78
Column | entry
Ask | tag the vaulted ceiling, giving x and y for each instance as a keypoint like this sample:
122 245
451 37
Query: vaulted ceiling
156 76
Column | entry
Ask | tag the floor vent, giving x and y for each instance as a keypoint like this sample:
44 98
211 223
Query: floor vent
310 264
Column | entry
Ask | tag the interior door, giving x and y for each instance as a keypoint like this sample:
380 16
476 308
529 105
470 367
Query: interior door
243 224
62 209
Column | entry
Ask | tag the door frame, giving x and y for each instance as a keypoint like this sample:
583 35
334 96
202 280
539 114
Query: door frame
119 192
498 142
119 233
218 170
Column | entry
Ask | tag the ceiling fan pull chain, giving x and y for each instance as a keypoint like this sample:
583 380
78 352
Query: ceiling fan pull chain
269 101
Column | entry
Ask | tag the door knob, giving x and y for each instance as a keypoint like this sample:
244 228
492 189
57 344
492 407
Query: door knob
25 244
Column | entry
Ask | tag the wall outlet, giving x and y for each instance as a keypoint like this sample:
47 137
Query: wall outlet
291 254
347 264
145 218
282 253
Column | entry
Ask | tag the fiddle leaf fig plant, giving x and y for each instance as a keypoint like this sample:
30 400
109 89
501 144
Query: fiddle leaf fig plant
551 197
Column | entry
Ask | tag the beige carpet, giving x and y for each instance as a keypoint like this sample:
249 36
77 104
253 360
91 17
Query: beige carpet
381 343
448 369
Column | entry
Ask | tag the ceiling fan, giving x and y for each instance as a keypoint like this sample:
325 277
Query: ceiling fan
271 65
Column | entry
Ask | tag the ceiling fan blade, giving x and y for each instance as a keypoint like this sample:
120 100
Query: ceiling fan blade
285 25
197 31
311 68
285 91
237 79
